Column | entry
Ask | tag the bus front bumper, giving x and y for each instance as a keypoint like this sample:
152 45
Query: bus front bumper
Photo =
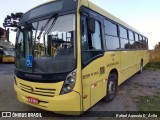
68 104
8 59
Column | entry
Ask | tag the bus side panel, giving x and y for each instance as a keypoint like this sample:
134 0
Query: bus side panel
145 54
91 79
95 75
130 62
86 98
93 93
96 89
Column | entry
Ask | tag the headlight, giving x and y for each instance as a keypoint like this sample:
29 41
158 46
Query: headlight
69 83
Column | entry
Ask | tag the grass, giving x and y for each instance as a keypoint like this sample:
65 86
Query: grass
149 103
153 66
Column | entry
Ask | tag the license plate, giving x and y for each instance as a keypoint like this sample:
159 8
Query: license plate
33 100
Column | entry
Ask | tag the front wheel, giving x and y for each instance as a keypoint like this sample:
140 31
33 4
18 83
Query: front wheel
111 88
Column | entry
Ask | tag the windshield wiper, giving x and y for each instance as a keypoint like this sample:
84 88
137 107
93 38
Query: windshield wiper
46 25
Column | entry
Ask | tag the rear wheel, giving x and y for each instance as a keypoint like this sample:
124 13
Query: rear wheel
111 88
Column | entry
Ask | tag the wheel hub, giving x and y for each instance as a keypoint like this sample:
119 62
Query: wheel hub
111 88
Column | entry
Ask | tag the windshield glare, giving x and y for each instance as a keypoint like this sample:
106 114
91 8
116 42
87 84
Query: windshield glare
51 44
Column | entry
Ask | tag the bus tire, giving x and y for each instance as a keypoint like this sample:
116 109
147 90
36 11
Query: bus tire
141 68
111 88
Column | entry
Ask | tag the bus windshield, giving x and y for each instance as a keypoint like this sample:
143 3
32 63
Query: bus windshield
8 52
50 43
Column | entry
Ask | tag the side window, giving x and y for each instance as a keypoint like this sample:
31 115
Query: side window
91 43
136 37
123 38
132 44
111 35
141 46
144 43
137 44
131 40
123 32
140 38
144 39
110 28
84 34
96 37
131 35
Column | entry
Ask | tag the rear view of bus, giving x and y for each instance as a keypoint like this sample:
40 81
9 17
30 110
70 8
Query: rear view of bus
7 55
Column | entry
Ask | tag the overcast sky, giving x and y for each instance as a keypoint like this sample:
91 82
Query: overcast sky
144 15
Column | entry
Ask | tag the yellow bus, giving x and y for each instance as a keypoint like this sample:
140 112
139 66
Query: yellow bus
7 55
70 54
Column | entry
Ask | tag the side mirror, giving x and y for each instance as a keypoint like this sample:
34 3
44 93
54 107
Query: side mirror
91 25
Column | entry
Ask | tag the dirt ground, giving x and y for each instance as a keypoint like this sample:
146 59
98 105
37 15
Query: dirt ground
145 84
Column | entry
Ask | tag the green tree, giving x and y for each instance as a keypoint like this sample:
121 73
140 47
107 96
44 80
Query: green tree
157 46
12 20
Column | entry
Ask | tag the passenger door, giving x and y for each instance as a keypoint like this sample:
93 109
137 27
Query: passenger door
92 53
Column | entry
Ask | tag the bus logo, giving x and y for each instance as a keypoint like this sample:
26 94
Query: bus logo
29 61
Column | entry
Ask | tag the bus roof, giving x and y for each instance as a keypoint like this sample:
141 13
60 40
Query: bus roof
41 4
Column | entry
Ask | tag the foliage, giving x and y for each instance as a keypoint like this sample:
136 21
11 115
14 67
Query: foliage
153 66
157 46
12 20
154 55
149 103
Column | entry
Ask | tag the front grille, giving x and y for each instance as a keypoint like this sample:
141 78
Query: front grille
37 91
